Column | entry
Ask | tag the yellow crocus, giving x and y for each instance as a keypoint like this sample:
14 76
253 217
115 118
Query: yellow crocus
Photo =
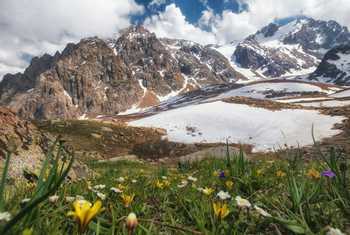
229 184
220 210
84 212
280 173
127 199
208 191
162 184
159 184
313 174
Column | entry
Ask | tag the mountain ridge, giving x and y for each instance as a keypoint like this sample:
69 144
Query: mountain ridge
139 70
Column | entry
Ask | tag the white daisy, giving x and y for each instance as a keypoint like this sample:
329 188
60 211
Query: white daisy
102 196
223 195
99 186
121 179
70 199
53 198
116 190
191 178
243 203
5 216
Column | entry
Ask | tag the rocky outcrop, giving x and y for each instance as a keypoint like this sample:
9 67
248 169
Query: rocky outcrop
335 67
96 76
292 49
24 140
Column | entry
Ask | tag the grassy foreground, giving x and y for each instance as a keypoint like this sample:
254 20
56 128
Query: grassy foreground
232 196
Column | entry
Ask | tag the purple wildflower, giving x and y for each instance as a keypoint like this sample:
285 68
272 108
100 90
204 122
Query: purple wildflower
222 175
328 174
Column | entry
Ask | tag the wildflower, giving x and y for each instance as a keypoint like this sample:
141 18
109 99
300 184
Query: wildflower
262 211
221 174
116 190
280 174
99 187
223 195
134 181
207 191
313 174
102 196
166 183
216 173
193 179
127 199
5 216
79 197
259 172
164 177
334 231
84 212
131 222
70 199
121 187
183 184
328 174
220 210
243 203
229 184
121 179
53 198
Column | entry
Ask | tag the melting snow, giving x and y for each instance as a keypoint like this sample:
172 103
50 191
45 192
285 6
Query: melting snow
327 103
265 129
342 94
260 90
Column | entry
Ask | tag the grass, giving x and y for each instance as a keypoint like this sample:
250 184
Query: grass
105 139
293 195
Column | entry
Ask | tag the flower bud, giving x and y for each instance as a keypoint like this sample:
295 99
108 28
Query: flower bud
131 221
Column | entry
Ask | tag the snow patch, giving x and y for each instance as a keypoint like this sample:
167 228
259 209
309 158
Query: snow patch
215 122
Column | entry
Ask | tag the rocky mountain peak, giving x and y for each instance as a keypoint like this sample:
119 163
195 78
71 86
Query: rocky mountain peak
335 66
105 77
290 49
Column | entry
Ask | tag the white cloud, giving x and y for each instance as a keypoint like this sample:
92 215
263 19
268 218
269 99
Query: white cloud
172 24
36 26
157 2
230 26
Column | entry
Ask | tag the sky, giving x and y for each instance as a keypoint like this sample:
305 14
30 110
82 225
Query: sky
32 27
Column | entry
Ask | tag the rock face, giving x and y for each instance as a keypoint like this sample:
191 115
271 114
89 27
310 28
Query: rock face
98 76
292 49
24 139
335 67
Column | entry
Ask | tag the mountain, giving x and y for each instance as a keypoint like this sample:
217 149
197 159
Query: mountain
335 67
97 76
295 48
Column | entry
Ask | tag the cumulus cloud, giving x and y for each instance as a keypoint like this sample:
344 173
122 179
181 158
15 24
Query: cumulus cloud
172 24
33 27
253 15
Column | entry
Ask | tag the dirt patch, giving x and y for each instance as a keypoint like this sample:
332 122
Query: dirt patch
100 140
266 104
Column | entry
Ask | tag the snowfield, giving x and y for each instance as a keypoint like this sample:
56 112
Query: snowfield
260 90
327 103
266 130
342 94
